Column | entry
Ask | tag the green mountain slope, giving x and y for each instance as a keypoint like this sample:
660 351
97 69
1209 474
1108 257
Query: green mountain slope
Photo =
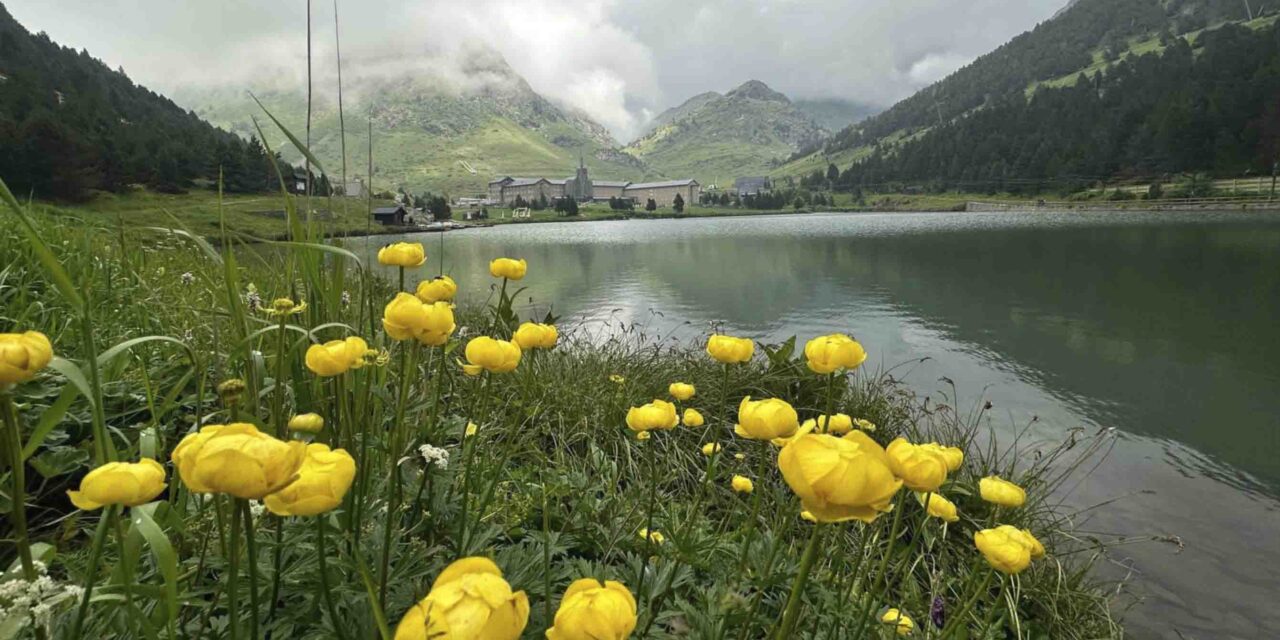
716 138
434 132
834 114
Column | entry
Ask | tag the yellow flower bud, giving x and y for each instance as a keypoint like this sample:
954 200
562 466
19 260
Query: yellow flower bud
730 350
532 335
469 600
938 506
953 455
323 480
616 379
828 354
654 536
124 483
692 418
406 317
742 484
681 391
508 268
495 356
306 423
865 425
710 449
336 357
403 254
808 516
1006 548
896 618
840 424
996 490
643 435
658 414
839 479
22 355
230 390
921 469
237 460
470 430
437 289
592 610
766 419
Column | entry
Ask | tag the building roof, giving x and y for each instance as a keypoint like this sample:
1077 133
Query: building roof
659 185
558 182
524 182
502 179
387 210
610 183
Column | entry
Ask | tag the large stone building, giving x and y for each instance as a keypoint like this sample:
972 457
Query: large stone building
581 187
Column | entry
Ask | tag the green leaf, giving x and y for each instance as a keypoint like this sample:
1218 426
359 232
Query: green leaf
107 356
185 232
56 273
50 419
166 559
59 461
289 134
73 374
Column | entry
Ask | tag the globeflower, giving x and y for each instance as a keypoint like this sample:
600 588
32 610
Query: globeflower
921 469
865 425
532 335
402 254
437 289
487 354
839 479
508 268
730 350
592 610
953 455
336 357
658 414
999 491
124 483
742 484
692 418
1007 549
828 354
323 481
681 391
306 423
711 448
469 600
654 536
938 506
406 317
237 460
766 419
903 625
838 425
22 355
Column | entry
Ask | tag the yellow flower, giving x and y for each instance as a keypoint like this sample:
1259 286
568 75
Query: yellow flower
437 289
125 483
495 356
322 482
336 357
681 391
407 317
692 418
730 350
306 423
921 469
532 335
591 610
997 490
470 430
953 455
643 435
710 449
1006 548
402 254
828 354
237 460
939 507
285 307
766 419
468 601
839 479
840 424
616 379
658 414
739 456
808 516
742 484
903 624
508 268
1037 549
655 536
22 355
865 425
806 428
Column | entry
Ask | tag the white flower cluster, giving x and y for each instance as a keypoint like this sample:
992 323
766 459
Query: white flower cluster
188 278
36 598
252 298
256 509
434 455
346 298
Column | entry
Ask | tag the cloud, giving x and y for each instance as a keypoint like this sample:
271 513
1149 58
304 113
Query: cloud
620 61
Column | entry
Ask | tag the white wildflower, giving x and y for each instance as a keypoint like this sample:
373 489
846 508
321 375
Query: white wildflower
257 509
188 278
346 298
434 455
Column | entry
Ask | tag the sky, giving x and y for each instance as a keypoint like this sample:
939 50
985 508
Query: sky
620 61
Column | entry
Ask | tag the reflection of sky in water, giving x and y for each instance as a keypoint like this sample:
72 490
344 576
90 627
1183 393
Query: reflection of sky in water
1160 326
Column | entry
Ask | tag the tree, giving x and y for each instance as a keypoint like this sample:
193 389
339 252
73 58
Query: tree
833 174
651 205
678 203
439 208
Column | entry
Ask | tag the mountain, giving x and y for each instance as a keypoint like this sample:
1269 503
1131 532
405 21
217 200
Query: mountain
444 126
70 125
834 114
1087 36
715 138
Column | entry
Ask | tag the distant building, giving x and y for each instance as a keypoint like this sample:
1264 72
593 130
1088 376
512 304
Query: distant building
581 187
390 215
354 189
751 185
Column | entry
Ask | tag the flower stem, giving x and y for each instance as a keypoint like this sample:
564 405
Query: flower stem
18 498
792 612
325 591
95 557
957 618
648 526
251 548
233 577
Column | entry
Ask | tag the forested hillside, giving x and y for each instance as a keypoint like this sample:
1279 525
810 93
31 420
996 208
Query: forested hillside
69 125
1212 107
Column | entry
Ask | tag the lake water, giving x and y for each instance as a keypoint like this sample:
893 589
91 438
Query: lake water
1163 326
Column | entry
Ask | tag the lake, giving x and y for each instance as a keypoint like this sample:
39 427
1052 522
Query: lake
1161 326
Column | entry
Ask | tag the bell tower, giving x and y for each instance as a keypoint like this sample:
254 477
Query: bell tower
582 189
